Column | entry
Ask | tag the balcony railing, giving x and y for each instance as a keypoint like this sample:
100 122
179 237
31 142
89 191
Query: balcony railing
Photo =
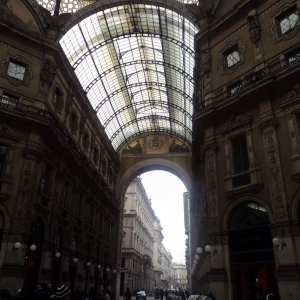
48 116
251 79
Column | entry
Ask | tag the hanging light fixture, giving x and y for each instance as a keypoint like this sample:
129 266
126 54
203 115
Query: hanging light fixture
75 260
32 247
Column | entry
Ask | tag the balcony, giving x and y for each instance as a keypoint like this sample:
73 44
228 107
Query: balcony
250 80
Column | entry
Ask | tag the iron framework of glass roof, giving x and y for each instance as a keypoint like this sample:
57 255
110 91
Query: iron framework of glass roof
135 63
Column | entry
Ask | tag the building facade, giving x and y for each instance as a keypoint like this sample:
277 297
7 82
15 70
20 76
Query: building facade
179 276
245 203
138 239
58 213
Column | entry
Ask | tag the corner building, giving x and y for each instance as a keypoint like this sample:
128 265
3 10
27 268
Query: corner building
246 150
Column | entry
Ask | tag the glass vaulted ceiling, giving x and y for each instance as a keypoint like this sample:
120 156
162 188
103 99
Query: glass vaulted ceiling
135 63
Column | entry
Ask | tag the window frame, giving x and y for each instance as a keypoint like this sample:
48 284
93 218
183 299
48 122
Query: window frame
17 64
229 52
284 15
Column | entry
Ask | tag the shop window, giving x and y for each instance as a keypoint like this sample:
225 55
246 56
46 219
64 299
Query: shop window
240 161
2 226
232 56
16 70
288 20
8 100
3 153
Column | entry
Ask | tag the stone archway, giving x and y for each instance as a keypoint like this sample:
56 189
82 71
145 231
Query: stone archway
150 164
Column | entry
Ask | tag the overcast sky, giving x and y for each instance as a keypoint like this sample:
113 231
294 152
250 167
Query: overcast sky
166 193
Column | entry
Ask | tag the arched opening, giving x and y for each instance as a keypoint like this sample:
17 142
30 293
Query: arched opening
73 262
251 250
56 257
2 226
34 252
151 211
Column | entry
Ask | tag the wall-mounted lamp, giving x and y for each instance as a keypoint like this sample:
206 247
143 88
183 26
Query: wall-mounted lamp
279 243
195 262
75 260
197 257
210 251
57 255
114 271
107 270
88 263
99 267
199 250
32 247
16 246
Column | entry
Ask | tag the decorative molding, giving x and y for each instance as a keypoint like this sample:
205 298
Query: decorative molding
222 65
235 122
212 190
47 76
274 28
275 177
27 65
272 122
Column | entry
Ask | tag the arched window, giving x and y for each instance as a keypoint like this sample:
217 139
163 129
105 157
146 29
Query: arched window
36 235
58 241
248 214
2 226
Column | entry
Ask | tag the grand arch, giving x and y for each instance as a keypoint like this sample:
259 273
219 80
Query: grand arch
133 166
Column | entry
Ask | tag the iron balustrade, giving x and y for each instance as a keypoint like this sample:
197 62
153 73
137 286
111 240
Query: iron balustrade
12 104
251 79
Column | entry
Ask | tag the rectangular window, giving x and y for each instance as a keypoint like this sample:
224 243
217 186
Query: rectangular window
45 186
57 98
16 70
65 195
289 20
9 100
240 161
232 56
293 57
123 263
3 153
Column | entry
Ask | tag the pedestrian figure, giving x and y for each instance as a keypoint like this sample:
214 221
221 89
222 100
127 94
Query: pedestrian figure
211 296
78 294
181 294
127 294
161 293
63 293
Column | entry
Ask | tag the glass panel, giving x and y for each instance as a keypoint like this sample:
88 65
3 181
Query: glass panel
289 22
16 70
232 58
136 64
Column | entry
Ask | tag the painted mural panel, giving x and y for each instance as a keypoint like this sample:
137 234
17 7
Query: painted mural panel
176 146
134 147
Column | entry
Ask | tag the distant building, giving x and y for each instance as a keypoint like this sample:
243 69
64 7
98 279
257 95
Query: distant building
179 276
145 261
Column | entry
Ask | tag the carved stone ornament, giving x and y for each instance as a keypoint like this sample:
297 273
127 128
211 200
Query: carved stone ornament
236 121
254 29
267 123
54 23
205 62
201 12
7 132
47 76
293 96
